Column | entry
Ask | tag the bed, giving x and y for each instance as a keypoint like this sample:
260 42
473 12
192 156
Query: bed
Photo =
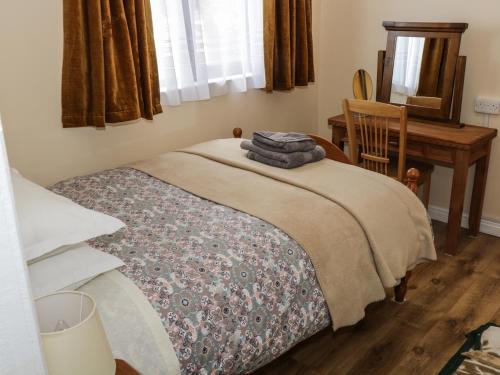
229 264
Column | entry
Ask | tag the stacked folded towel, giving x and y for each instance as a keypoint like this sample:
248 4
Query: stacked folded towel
283 150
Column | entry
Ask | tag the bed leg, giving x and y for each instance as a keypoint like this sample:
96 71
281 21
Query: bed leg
400 290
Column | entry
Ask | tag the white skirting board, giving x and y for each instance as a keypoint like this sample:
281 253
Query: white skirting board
487 226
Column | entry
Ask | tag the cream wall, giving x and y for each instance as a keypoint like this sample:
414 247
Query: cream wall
30 74
352 33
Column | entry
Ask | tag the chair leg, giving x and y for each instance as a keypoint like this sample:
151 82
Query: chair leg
427 190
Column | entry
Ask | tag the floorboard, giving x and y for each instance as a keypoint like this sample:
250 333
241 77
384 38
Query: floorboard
446 299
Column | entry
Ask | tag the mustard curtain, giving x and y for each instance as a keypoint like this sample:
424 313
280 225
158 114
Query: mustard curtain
288 44
110 72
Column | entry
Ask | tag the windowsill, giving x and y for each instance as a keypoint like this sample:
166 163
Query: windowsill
237 83
230 78
214 81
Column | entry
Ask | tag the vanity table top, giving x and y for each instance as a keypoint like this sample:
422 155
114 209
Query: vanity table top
429 132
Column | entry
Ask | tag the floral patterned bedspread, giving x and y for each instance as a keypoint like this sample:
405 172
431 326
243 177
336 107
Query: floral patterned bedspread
232 291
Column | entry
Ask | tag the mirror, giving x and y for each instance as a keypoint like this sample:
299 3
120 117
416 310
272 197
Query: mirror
362 85
422 69
418 74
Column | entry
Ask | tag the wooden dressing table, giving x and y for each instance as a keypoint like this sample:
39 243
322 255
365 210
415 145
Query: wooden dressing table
458 148
423 70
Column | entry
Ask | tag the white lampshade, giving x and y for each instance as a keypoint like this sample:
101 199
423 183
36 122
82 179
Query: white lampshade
74 341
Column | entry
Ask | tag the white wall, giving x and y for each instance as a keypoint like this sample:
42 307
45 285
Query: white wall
30 76
352 33
20 351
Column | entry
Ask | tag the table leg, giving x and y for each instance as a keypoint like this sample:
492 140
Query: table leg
477 200
338 134
460 171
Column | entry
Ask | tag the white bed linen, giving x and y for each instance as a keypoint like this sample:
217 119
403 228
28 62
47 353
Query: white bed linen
133 327
48 221
70 269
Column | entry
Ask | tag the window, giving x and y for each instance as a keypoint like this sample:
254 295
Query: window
207 48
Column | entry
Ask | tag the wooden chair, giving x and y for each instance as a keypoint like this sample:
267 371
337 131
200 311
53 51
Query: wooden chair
379 151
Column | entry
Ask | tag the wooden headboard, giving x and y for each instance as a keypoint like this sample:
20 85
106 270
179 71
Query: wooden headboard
332 151
335 153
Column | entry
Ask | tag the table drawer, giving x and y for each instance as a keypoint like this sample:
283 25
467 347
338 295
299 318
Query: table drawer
438 154
412 148
425 151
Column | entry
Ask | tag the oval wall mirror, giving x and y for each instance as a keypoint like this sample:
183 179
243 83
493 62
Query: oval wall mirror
362 85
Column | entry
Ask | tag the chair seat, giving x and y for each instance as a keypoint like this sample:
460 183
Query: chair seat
425 169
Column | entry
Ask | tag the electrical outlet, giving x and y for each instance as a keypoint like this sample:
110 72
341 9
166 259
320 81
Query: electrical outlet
488 106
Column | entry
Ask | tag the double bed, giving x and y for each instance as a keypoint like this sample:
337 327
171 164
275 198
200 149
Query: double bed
228 263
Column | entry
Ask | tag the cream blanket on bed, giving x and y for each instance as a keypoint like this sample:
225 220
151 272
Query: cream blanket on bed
362 230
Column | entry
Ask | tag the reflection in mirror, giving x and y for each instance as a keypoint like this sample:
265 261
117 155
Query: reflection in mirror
362 85
424 101
418 75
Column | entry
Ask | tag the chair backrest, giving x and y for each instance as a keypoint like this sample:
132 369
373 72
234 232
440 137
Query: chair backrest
332 151
371 120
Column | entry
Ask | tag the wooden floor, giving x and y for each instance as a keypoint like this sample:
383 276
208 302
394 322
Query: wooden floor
446 299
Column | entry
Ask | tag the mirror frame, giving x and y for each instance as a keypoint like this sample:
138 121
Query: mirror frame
450 31
368 80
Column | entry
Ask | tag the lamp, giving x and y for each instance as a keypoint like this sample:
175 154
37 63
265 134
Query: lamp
74 341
